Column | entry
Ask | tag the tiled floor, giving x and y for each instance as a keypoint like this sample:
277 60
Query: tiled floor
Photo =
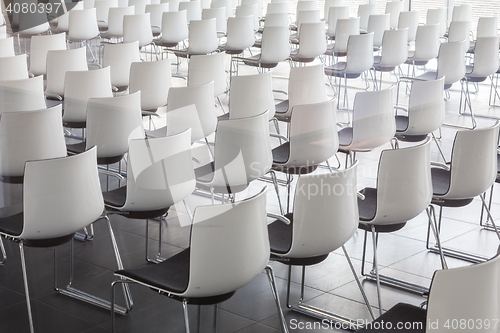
329 285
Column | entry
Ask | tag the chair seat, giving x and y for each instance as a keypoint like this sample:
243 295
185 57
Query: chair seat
368 207
401 123
345 136
205 173
280 157
281 153
295 57
338 70
76 148
157 133
498 169
166 44
255 61
400 313
170 275
225 116
75 124
280 240
469 74
440 185
116 198
282 106
224 48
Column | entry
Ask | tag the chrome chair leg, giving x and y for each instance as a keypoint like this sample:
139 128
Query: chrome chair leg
4 254
274 289
26 290
375 264
276 188
186 315
216 307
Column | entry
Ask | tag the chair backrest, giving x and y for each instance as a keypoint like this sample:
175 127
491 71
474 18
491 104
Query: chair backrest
116 15
329 4
7 47
487 26
229 246
156 15
246 11
307 16
251 95
119 57
45 139
39 46
22 95
306 85
305 5
335 13
325 212
202 36
112 122
464 293
378 24
57 188
174 28
14 68
313 134
201 118
159 172
459 30
485 57
373 121
359 53
192 8
240 33
409 19
312 42
242 152
473 162
139 5
32 22
79 87
276 20
451 62
83 24
61 61
137 28
275 44
394 48
426 107
219 14
461 12
3 31
153 79
207 68
225 4
277 8
401 197
394 8
426 42
259 4
102 11
437 16
63 20
173 5
364 13
345 28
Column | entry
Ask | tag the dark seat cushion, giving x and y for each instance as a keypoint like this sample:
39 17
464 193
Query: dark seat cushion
281 155
117 198
345 136
368 207
282 107
440 181
205 173
413 316
280 240
401 123
171 275
76 148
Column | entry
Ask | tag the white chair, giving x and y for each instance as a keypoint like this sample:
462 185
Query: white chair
212 265
249 10
39 46
306 16
173 5
364 12
394 8
334 14
329 4
394 53
14 68
139 5
119 57
138 28
462 12
409 19
373 123
192 8
426 46
240 35
277 8
63 20
486 64
225 4
202 38
22 95
312 43
306 85
207 68
242 154
7 47
83 27
275 48
345 28
219 14
304 5
159 175
47 205
3 31
115 24
397 198
58 63
156 16
378 24
79 87
174 29
45 140
153 79
312 139
459 31
254 2
102 12
437 16
487 26
359 59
